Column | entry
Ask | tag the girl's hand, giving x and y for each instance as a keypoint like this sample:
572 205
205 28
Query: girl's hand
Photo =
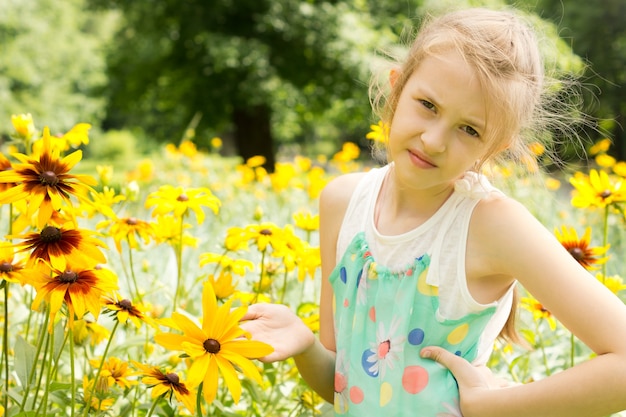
278 326
472 380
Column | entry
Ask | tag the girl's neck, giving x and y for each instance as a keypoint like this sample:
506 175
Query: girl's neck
400 209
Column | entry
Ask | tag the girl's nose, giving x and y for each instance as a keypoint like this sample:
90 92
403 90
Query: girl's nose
434 139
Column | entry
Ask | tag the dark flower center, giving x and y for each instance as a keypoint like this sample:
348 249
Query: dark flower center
131 221
577 253
172 378
605 194
68 277
49 178
125 304
6 267
182 198
211 346
51 234
266 232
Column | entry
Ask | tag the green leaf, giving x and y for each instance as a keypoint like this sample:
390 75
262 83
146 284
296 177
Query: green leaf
24 359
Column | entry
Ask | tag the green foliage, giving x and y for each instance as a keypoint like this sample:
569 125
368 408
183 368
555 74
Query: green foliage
114 145
52 61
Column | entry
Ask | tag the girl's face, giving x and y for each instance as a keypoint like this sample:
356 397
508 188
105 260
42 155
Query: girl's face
438 129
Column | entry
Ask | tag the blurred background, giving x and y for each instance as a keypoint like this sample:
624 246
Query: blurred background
268 77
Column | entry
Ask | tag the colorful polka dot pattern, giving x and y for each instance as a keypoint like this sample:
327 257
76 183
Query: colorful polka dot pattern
383 319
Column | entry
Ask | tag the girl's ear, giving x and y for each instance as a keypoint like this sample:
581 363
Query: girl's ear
393 76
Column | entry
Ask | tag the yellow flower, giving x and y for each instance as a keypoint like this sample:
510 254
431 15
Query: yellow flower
282 176
316 182
379 132
23 125
79 288
170 199
226 263
579 247
55 245
255 161
600 147
102 202
97 395
167 230
129 229
597 190
5 165
215 346
349 152
613 282
124 310
223 285
552 184
11 269
44 180
105 173
620 169
165 384
115 371
78 135
537 148
216 143
87 329
307 221
538 310
605 161
265 234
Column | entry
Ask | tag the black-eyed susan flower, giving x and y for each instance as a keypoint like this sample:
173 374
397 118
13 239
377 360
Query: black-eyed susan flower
45 181
264 235
55 245
102 202
216 346
5 165
597 189
77 287
580 249
165 384
223 284
226 263
12 269
167 229
128 229
180 202
124 310
538 310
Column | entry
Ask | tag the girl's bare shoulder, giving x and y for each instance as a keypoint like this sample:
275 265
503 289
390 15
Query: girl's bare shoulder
336 195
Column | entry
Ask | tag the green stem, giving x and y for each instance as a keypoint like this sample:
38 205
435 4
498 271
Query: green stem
106 351
199 400
260 284
572 341
284 289
132 272
543 348
72 371
44 401
5 347
42 336
154 405
179 264
605 239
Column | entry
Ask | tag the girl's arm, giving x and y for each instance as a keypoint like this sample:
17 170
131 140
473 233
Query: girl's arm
278 326
519 246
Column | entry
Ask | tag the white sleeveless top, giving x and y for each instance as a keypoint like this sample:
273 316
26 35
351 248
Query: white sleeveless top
443 237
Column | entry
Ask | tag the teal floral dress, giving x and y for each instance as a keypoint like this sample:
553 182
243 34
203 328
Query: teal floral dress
383 318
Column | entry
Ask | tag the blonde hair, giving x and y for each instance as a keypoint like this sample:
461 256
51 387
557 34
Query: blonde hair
524 104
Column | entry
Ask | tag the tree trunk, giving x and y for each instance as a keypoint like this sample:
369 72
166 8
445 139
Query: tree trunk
253 134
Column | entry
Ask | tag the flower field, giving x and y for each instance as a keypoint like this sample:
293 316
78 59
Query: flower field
122 291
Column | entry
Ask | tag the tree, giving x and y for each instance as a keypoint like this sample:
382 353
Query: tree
597 32
52 62
230 62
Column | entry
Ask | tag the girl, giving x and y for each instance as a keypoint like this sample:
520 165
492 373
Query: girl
420 257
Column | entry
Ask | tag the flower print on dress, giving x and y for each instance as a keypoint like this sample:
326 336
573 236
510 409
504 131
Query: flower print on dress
385 352
341 383
452 410
362 285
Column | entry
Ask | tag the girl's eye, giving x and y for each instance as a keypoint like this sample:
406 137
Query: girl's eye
427 104
470 131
